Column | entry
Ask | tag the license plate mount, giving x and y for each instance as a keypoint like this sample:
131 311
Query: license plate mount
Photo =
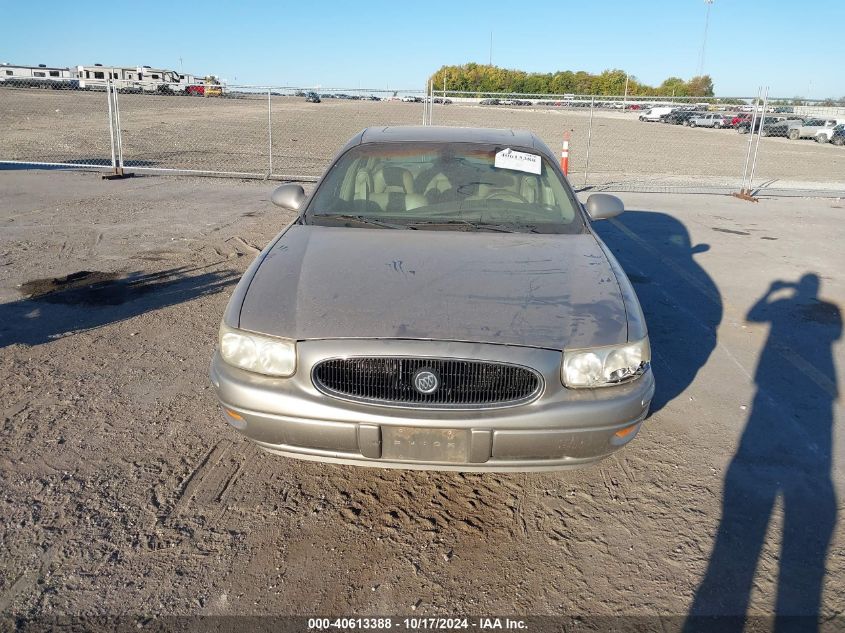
417 444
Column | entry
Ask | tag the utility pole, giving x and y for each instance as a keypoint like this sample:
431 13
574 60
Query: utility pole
708 3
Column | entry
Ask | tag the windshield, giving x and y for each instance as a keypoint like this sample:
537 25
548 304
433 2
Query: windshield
445 186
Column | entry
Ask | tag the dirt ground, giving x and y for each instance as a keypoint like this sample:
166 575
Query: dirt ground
123 491
170 132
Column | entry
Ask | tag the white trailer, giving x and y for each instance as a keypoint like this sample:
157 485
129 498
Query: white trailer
139 78
40 75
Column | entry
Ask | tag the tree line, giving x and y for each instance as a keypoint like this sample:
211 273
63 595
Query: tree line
484 78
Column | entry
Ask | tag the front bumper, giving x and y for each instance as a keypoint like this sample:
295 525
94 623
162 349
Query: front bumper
562 428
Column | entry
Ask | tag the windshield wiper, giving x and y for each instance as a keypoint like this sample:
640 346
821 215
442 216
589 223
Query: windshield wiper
484 226
361 219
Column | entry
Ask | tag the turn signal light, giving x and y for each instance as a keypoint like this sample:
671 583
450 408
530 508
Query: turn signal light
626 431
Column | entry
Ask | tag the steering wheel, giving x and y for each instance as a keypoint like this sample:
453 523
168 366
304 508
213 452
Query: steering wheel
504 194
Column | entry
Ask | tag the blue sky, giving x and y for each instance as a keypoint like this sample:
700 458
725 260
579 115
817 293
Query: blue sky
797 49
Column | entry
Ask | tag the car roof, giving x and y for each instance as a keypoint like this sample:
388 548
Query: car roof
446 134
442 134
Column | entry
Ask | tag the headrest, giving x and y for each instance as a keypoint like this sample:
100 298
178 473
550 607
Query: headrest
394 176
394 179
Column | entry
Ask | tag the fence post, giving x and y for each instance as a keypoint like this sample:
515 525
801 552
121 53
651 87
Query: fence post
757 145
115 134
269 134
111 125
743 188
119 133
430 100
589 139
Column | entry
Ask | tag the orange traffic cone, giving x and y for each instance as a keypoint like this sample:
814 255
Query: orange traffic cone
564 154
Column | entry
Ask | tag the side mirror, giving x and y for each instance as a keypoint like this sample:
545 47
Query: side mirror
288 196
602 206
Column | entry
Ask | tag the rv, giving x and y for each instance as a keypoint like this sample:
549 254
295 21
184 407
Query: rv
37 76
138 78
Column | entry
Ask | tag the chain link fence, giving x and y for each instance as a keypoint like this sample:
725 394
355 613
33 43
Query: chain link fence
663 143
54 123
617 143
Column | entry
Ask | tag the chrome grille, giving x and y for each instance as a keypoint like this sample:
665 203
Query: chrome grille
462 383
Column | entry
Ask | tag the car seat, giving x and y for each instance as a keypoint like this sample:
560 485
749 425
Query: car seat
393 190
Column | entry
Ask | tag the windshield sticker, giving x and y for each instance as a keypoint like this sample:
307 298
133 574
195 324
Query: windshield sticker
520 161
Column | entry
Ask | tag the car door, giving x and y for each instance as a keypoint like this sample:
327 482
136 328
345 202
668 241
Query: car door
810 127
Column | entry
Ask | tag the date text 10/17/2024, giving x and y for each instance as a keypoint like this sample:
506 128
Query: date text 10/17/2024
417 624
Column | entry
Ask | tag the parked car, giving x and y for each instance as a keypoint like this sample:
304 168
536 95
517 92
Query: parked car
442 100
781 128
439 346
312 97
811 128
826 133
680 117
745 126
654 114
838 136
740 119
411 99
489 102
708 119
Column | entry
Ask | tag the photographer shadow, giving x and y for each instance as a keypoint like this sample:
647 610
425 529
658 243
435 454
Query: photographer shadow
785 453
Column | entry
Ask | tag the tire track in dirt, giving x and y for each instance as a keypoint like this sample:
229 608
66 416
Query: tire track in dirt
195 479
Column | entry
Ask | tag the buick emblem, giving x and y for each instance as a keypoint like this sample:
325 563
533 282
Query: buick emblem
426 381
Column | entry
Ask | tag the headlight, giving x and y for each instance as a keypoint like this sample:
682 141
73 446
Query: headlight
254 352
605 366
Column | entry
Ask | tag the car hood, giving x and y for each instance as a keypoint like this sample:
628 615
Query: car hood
550 291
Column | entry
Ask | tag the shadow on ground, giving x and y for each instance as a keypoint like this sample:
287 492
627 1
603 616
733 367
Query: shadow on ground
785 454
90 299
682 305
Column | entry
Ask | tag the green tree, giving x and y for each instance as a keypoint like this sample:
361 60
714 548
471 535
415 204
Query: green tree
701 86
481 78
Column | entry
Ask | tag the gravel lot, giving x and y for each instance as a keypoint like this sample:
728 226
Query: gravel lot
170 132
123 491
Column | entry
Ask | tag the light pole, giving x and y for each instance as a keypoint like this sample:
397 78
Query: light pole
708 3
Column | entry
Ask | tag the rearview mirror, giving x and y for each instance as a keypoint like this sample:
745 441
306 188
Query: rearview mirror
288 196
602 206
